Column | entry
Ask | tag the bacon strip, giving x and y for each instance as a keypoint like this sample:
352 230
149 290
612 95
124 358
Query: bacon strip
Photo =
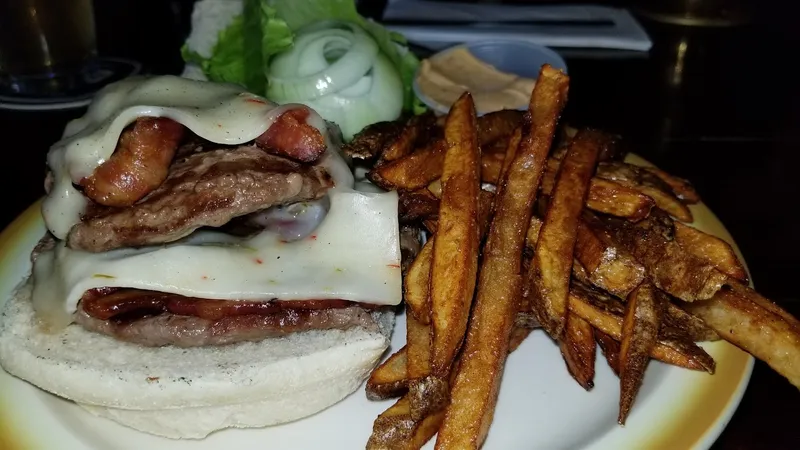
108 303
139 164
292 137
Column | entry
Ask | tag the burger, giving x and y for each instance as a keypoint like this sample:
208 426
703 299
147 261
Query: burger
210 262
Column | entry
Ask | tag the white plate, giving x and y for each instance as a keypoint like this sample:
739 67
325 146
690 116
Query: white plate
540 406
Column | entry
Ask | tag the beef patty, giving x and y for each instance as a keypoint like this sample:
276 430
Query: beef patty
156 319
202 189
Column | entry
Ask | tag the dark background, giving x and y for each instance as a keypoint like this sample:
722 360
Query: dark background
716 105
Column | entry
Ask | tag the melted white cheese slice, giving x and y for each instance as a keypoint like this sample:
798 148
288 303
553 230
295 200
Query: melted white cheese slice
353 255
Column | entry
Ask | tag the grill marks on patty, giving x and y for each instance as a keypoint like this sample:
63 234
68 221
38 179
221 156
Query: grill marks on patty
205 189
155 319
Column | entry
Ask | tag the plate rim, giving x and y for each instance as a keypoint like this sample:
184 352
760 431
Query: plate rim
714 402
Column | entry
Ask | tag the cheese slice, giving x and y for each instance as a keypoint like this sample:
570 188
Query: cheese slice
354 254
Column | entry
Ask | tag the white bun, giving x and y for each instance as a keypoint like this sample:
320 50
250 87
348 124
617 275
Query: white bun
190 393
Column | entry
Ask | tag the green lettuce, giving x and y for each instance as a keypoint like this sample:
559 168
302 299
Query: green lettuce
266 28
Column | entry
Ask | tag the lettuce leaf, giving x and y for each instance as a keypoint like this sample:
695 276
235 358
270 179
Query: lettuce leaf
243 49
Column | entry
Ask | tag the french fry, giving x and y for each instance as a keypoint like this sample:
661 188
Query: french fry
491 167
431 225
607 266
368 143
404 143
680 187
756 325
685 324
711 250
609 197
474 392
389 379
455 251
639 335
396 429
436 188
412 172
511 152
668 265
552 260
645 182
579 350
497 125
610 349
676 353
417 205
426 393
417 284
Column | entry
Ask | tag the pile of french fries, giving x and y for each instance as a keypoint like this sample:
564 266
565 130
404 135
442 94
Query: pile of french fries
532 225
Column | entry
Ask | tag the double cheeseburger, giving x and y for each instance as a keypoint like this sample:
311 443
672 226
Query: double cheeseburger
208 263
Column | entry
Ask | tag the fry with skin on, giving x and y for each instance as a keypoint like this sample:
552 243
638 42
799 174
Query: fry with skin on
412 172
639 336
756 325
416 205
396 429
552 260
496 125
711 250
686 324
674 352
426 393
404 143
417 284
680 187
511 152
638 178
474 394
491 167
579 349
389 379
607 266
610 349
455 250
610 197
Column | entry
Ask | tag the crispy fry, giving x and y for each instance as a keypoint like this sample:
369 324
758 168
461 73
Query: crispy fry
431 225
680 354
610 197
680 187
370 142
436 188
426 393
645 182
403 144
474 393
756 325
518 335
491 166
678 322
552 260
417 284
609 348
389 379
710 249
417 205
639 336
511 152
497 125
607 266
670 268
412 172
396 429
485 212
579 349
455 251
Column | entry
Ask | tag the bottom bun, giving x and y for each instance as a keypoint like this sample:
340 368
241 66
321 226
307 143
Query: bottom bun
190 392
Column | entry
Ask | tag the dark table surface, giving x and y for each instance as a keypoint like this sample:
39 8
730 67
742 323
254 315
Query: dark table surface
718 106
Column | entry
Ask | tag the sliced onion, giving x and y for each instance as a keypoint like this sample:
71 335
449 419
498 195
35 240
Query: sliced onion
337 69
304 73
